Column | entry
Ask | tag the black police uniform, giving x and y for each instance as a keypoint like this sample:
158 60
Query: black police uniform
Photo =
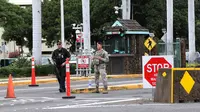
59 56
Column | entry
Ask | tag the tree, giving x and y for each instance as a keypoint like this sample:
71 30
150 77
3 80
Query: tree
102 16
16 22
51 19
151 14
73 14
197 12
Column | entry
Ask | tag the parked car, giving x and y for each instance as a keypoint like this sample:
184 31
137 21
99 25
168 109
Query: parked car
6 61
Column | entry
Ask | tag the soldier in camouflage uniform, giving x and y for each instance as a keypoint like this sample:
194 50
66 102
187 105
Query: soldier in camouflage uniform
99 61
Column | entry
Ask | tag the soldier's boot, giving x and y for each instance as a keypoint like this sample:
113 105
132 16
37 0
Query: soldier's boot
105 90
97 90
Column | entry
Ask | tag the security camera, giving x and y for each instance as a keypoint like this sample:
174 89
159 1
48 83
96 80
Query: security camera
74 25
116 7
116 12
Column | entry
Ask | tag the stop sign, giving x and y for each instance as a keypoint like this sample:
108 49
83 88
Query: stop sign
152 66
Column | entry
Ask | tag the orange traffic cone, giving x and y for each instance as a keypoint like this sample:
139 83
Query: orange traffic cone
10 89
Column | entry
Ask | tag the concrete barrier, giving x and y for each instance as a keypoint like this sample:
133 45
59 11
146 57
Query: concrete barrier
178 85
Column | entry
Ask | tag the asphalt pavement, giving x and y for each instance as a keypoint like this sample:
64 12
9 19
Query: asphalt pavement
46 98
50 100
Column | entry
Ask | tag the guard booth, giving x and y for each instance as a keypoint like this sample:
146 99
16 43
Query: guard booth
125 43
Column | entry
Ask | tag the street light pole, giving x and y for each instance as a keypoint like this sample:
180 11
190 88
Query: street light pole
170 48
37 31
86 25
126 9
62 23
191 28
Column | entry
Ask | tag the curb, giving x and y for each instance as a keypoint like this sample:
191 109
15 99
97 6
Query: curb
110 88
27 82
53 80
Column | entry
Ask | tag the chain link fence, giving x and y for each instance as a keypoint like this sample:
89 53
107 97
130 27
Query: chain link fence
162 50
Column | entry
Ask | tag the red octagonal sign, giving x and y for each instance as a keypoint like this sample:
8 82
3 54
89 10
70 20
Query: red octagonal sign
152 66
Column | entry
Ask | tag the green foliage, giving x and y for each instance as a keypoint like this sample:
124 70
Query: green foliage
72 68
21 62
102 14
42 70
16 22
151 14
192 65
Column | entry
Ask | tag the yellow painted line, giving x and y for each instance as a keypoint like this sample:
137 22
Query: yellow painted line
110 88
172 85
108 76
53 80
125 76
28 82
186 68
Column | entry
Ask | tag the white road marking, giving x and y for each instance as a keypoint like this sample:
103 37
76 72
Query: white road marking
101 98
91 104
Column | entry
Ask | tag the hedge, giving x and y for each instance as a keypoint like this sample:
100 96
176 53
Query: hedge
41 70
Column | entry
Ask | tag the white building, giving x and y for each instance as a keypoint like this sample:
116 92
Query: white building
21 2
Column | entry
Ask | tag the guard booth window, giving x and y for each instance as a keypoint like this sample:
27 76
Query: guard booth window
117 45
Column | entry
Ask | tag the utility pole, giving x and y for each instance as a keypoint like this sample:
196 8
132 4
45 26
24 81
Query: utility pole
62 23
170 50
191 28
86 25
37 32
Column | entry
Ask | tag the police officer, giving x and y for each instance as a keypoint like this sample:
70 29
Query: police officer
99 61
59 57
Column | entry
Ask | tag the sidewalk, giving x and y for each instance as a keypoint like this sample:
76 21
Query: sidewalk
52 79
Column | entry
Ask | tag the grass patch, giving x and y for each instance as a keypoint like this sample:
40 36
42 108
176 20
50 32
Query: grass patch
191 65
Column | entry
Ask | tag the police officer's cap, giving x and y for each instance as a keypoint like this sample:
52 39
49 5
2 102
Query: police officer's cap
100 42
59 43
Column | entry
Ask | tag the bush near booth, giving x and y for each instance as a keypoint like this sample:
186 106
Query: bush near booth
22 68
41 70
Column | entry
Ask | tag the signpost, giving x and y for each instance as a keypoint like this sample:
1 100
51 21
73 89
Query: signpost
83 61
151 65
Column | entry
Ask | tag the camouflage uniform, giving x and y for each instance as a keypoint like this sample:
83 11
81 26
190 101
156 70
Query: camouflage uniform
100 68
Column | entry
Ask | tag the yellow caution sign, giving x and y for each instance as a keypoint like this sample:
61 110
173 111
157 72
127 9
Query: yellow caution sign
187 82
149 43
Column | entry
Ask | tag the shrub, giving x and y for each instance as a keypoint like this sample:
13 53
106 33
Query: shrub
22 68
21 62
42 70
191 65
